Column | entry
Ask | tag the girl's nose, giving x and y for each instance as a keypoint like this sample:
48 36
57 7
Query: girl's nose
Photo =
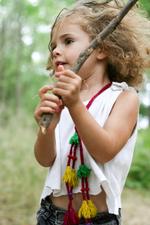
56 52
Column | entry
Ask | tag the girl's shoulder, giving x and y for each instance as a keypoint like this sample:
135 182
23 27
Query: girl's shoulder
125 90
128 99
122 86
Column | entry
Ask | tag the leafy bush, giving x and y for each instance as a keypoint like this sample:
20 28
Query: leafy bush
139 176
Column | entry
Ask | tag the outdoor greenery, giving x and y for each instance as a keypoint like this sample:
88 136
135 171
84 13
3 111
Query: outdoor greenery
24 37
139 176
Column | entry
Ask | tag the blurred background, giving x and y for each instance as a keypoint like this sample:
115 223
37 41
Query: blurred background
24 37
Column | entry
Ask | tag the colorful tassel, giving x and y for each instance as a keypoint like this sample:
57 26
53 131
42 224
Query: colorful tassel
70 177
74 139
84 210
71 217
87 210
93 208
83 171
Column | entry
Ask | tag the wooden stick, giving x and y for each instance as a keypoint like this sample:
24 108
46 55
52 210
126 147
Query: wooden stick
46 118
102 35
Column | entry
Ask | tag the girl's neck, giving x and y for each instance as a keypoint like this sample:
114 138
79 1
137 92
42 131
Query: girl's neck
92 85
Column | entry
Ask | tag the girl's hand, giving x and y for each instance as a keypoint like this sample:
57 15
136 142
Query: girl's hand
68 86
49 103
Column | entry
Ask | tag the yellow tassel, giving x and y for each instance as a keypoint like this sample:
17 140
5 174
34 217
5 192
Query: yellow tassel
93 209
87 210
70 177
84 210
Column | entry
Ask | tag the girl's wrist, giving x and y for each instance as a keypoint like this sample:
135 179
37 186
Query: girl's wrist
76 107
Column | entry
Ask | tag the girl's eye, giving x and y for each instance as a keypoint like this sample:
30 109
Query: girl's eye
52 47
68 41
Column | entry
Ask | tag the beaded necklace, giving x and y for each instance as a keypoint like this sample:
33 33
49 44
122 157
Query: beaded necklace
71 177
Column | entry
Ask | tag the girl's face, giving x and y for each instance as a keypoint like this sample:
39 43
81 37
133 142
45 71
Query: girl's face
68 41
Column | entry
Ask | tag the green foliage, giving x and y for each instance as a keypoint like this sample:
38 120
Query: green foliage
144 110
139 176
22 33
146 5
24 30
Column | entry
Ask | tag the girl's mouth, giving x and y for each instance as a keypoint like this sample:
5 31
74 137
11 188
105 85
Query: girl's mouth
60 63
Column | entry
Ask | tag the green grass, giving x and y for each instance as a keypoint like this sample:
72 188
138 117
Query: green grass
21 177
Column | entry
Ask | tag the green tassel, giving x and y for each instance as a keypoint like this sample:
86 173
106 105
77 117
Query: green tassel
74 139
83 171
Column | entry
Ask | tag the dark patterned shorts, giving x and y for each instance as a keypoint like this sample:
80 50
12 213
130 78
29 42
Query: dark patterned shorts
49 214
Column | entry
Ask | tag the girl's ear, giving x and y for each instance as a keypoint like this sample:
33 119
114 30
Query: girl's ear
101 54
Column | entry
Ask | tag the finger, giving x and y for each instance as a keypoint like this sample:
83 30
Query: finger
61 92
65 79
68 83
67 73
45 89
64 86
40 111
45 110
50 104
50 97
59 70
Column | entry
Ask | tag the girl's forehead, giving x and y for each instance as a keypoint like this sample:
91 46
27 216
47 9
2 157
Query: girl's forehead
65 25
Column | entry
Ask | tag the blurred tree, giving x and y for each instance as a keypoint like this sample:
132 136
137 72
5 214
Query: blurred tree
24 36
24 28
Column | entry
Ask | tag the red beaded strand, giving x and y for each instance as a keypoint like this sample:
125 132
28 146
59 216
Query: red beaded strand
70 178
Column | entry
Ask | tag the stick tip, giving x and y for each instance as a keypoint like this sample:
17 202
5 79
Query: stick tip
43 129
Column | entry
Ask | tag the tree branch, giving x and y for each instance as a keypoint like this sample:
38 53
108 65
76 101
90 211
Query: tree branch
102 35
46 118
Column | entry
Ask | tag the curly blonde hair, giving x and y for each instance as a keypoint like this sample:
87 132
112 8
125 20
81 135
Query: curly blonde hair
128 47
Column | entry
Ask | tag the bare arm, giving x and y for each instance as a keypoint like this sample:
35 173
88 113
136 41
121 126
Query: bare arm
104 143
45 149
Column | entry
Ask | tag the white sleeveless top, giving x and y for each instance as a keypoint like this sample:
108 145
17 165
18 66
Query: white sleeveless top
111 175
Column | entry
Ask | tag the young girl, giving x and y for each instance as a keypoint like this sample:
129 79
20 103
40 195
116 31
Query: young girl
89 144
